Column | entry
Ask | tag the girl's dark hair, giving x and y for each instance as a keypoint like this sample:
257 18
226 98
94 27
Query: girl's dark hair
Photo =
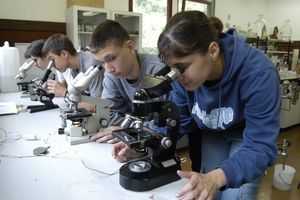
217 23
58 42
186 33
34 49
108 32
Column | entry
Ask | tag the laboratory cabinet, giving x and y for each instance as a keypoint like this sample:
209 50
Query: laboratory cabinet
284 54
277 50
81 21
290 102
132 23
270 45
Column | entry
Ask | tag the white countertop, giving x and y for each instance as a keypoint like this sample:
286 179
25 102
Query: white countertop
289 75
63 173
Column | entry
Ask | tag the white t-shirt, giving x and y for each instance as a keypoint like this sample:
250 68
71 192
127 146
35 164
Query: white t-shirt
86 60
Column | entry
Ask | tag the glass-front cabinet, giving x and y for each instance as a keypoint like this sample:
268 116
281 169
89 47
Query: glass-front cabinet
81 21
132 23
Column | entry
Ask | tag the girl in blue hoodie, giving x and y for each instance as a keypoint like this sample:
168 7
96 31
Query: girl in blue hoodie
231 91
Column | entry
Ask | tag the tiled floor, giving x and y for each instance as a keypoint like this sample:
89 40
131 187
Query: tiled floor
267 191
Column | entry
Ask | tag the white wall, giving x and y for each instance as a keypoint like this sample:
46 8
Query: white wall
35 10
241 11
275 11
121 5
46 10
278 11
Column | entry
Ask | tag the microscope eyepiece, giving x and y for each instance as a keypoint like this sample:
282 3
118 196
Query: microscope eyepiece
173 74
98 65
166 69
48 71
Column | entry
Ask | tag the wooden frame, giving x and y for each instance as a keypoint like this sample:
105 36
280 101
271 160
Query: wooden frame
23 31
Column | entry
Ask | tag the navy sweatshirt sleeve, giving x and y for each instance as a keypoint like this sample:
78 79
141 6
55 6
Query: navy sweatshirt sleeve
180 97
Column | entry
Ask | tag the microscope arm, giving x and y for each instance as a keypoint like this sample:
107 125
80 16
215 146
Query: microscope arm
23 69
153 86
48 71
165 113
39 82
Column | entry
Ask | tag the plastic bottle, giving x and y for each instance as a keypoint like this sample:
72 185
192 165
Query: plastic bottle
261 26
9 64
227 24
286 30
285 69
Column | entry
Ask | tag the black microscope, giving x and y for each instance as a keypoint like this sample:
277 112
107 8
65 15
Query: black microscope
160 165
38 93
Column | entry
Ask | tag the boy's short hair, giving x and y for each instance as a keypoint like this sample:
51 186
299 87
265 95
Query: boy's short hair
34 49
108 32
58 42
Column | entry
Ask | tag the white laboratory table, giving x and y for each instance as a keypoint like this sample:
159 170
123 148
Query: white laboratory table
66 172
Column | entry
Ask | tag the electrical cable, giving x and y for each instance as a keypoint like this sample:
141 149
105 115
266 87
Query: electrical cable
55 156
4 140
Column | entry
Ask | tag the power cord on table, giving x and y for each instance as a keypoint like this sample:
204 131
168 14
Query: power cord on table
3 140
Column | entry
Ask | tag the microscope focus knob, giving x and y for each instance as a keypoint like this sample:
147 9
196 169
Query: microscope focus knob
166 142
61 131
171 122
103 122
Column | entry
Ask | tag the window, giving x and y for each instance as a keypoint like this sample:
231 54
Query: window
154 19
156 14
201 5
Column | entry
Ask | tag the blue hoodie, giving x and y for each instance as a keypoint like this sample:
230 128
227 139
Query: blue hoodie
248 93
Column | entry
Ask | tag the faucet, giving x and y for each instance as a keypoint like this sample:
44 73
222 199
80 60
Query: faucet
282 151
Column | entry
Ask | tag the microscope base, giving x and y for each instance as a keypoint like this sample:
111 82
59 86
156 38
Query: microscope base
25 95
38 108
144 181
80 139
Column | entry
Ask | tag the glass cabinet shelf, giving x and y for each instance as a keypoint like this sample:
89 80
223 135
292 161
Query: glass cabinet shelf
81 21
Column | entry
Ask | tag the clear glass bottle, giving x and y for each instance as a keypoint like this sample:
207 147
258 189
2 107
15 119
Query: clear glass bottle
286 30
261 26
280 65
285 67
227 24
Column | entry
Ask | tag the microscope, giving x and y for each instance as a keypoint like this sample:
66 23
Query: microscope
38 93
78 123
160 165
20 77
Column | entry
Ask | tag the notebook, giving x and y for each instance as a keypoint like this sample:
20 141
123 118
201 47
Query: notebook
7 108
